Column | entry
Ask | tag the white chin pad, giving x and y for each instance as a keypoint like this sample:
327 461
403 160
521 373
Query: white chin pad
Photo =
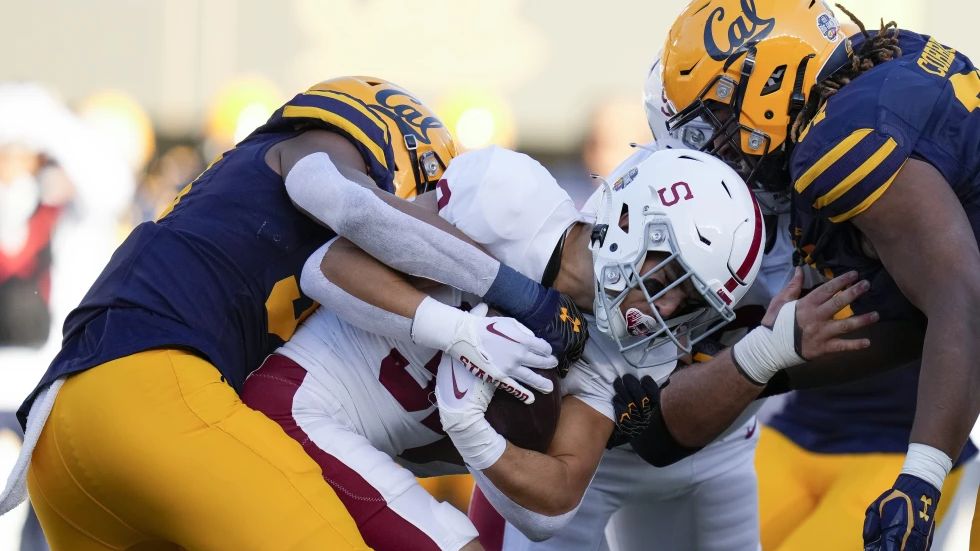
639 324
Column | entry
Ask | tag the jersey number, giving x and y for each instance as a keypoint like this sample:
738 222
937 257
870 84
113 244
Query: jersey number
409 394
967 89
282 305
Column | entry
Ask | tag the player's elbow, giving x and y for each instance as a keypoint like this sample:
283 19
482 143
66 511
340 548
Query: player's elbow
541 532
544 523
560 503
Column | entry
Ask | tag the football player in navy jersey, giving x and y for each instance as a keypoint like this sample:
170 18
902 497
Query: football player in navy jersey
141 438
879 136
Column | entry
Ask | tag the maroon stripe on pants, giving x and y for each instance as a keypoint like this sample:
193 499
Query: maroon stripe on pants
487 520
271 389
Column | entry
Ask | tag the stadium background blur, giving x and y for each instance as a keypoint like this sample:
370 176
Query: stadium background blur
163 87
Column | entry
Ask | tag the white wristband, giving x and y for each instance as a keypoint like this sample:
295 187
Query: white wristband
927 463
478 444
434 324
763 352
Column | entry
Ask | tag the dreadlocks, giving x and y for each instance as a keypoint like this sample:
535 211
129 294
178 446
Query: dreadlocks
873 51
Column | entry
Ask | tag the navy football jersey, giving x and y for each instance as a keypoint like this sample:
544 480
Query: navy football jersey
922 105
218 272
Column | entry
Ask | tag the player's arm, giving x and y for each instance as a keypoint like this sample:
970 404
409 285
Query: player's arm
894 343
326 178
700 402
925 241
536 492
374 297
553 483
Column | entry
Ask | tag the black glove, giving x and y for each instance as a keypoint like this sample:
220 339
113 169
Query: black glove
635 403
565 330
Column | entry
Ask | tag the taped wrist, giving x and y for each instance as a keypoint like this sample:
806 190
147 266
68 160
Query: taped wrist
477 443
657 446
763 352
435 324
524 299
927 463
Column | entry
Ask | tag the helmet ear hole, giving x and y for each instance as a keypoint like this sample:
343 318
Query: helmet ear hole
624 218
775 81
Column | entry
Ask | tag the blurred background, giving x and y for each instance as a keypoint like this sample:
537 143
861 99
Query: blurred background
108 107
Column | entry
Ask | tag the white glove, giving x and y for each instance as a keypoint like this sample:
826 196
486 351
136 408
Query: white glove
463 399
498 350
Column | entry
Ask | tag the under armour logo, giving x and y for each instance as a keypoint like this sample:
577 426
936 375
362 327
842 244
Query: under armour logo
926 503
565 317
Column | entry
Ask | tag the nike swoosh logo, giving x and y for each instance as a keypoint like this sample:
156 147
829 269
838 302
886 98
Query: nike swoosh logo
459 395
750 431
491 329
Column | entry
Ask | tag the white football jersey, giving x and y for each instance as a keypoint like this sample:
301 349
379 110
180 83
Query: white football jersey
381 386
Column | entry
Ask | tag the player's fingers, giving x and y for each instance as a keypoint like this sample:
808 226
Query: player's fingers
790 292
844 345
618 387
634 390
825 291
480 310
539 362
853 323
517 390
842 299
539 347
651 389
535 381
623 413
872 527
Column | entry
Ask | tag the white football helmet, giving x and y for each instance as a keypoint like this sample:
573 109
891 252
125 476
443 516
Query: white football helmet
693 135
698 213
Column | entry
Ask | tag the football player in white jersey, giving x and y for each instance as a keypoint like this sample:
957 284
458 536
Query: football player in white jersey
361 403
708 500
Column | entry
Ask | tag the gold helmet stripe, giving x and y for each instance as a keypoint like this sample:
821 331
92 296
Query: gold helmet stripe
333 119
356 104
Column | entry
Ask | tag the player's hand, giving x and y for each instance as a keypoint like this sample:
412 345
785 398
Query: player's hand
462 396
903 518
501 351
565 330
798 329
634 402
463 399
817 332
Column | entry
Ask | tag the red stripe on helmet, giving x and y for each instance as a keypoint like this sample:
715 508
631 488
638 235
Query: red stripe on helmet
746 267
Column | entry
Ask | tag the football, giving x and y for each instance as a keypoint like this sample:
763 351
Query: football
531 427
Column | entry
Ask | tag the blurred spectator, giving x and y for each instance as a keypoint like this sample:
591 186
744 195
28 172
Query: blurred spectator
63 189
33 192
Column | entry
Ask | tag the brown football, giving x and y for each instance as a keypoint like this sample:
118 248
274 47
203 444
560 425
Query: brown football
531 427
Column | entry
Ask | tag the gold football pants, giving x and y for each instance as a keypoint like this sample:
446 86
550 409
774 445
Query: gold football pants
155 452
816 501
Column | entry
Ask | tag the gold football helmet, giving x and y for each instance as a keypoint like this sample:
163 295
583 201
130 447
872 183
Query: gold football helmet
746 66
421 143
